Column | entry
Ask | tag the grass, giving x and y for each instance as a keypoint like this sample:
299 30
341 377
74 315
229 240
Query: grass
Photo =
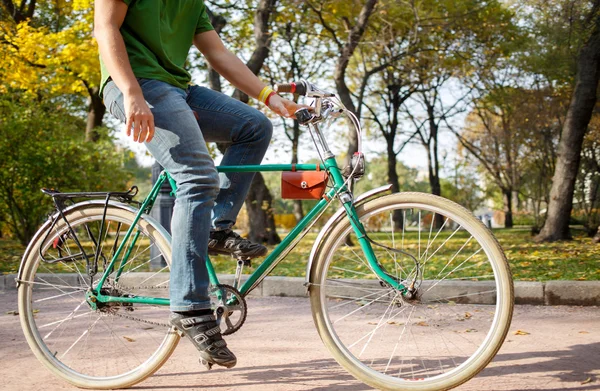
573 260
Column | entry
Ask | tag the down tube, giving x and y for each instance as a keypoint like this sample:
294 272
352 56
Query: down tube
286 245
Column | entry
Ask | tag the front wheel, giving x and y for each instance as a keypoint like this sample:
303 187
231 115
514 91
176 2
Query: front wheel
441 333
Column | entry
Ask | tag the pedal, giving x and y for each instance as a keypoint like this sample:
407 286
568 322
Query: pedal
246 260
207 364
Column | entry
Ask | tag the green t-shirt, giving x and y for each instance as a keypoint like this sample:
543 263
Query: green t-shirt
158 35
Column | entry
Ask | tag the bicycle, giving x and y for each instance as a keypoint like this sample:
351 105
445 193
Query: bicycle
408 291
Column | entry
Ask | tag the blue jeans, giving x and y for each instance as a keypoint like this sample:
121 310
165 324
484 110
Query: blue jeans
185 120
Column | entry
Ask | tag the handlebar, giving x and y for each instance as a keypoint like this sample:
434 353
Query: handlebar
325 108
303 88
299 88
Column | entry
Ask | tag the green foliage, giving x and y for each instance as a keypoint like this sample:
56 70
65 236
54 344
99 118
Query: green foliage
409 177
525 218
529 261
42 145
463 187
556 31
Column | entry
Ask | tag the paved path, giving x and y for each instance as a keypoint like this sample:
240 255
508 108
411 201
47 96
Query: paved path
279 349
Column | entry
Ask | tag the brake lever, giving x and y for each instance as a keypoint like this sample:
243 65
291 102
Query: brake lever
313 91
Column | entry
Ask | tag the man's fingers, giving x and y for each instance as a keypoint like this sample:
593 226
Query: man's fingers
137 127
143 130
128 126
150 130
282 110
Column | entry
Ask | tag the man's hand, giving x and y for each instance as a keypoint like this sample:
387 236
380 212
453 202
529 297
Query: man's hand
284 107
139 118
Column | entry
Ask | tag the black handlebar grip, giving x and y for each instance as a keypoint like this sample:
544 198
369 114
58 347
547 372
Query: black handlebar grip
299 88
303 116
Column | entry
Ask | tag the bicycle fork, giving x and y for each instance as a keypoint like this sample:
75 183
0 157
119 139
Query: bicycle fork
347 201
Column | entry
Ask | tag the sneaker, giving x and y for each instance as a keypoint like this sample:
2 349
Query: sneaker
205 334
228 242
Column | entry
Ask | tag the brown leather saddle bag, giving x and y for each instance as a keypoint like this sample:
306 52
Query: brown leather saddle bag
303 185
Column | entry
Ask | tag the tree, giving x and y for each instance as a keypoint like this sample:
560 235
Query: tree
386 76
463 184
583 101
345 17
42 146
587 189
453 37
510 133
47 49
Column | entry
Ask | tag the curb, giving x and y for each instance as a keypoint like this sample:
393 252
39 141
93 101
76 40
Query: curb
580 293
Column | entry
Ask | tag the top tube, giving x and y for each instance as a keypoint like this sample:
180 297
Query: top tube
270 167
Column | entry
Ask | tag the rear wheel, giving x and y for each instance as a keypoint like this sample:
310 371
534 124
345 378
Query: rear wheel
454 321
114 346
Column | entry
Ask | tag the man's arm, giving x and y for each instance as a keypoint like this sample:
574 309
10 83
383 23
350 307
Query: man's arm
108 18
233 69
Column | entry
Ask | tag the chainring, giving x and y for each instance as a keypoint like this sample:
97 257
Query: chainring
230 307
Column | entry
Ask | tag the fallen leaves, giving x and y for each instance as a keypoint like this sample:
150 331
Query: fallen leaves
521 332
392 322
588 380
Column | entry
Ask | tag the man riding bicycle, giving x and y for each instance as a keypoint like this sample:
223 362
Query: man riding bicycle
143 47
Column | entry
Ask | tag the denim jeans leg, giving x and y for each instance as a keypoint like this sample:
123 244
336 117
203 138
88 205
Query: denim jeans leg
248 133
179 146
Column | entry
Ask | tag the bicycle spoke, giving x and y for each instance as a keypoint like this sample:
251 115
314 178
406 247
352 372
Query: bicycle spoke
398 342
79 339
360 308
428 331
83 339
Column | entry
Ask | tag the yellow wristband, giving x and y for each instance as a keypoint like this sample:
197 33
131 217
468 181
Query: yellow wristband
264 94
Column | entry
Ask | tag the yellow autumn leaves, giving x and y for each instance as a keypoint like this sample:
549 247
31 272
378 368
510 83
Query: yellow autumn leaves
54 60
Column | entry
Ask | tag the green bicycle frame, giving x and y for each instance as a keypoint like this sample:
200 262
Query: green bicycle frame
273 259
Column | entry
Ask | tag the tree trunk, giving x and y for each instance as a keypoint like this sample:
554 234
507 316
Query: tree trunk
96 112
434 182
393 180
516 202
597 237
507 199
579 114
259 199
21 12
214 79
260 213
298 210
433 170
262 36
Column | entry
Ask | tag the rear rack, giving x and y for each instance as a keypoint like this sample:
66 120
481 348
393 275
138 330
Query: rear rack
60 203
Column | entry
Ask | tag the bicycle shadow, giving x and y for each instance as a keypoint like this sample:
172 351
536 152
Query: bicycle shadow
575 364
299 374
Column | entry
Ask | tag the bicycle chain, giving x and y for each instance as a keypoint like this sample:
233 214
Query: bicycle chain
118 286
140 320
